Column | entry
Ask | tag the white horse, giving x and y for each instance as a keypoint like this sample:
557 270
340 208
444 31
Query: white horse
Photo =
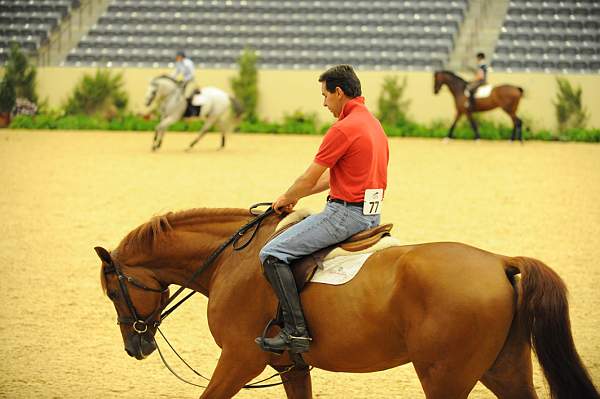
211 104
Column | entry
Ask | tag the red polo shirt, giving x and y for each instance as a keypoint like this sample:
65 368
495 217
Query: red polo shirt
355 149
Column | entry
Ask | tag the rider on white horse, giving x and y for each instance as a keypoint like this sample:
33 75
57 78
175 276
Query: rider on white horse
215 106
185 67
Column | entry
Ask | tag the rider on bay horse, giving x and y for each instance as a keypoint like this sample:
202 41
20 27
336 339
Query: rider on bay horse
185 67
352 163
480 79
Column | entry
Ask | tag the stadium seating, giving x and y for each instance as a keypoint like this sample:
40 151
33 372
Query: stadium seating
550 35
30 22
285 34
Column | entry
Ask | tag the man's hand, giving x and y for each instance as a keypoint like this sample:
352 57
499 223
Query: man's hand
284 204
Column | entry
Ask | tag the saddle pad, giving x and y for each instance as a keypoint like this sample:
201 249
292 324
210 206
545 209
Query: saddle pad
340 270
482 92
340 266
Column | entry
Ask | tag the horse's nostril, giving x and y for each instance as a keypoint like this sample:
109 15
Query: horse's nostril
130 353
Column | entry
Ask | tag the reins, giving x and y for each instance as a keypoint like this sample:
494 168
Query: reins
233 240
256 222
254 385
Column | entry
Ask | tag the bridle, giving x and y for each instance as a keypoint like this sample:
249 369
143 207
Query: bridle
139 325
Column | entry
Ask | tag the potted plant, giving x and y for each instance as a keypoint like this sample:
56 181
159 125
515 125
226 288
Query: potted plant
7 100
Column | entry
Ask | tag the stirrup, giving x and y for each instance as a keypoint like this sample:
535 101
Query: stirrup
289 342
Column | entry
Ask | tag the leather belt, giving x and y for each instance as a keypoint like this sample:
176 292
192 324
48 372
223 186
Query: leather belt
346 203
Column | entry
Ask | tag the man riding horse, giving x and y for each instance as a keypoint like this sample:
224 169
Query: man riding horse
185 67
480 79
352 163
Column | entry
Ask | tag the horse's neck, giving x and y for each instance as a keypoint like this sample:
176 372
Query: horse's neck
178 257
457 85
168 87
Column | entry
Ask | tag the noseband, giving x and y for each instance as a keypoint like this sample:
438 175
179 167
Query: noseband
140 326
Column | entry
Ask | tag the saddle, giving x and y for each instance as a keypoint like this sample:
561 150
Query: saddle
304 268
191 109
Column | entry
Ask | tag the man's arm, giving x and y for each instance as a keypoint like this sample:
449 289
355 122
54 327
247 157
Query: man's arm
177 70
314 180
479 74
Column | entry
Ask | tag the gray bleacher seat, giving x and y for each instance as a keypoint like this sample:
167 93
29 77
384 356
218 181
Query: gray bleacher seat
562 35
294 34
30 22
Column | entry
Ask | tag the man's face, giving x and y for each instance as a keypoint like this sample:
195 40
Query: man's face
333 101
178 58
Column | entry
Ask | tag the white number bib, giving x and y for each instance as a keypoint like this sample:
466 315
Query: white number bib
373 201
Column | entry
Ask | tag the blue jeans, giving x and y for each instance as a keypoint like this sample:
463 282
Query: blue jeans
335 224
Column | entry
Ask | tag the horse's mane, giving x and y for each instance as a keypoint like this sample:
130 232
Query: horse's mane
452 74
145 237
165 77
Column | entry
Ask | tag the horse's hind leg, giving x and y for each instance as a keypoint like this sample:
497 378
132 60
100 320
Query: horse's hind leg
210 121
297 382
511 376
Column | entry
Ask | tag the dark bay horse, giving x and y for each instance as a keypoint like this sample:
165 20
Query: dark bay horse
506 97
458 313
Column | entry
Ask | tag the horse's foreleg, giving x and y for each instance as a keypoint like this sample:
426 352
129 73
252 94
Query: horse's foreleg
473 126
297 382
210 121
451 131
160 130
231 374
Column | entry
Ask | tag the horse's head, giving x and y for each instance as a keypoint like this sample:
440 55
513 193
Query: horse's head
138 298
151 93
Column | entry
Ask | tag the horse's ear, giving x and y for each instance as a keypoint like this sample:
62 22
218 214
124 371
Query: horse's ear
104 255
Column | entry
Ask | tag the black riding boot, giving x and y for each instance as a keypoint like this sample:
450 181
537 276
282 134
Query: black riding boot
294 335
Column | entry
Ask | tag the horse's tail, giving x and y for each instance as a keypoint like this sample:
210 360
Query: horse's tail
238 107
543 311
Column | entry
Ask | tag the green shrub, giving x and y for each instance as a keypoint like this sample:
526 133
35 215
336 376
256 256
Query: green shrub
392 107
570 113
299 122
101 94
22 73
245 85
8 94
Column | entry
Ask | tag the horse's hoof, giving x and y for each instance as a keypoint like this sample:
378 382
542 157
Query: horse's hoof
447 140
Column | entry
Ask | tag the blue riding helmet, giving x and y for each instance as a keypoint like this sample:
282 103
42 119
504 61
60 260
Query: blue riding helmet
180 53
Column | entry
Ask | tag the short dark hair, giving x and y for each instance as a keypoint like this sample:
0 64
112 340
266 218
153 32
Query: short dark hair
480 56
344 77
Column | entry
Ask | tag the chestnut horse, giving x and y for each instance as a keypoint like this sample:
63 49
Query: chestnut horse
458 313
506 97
